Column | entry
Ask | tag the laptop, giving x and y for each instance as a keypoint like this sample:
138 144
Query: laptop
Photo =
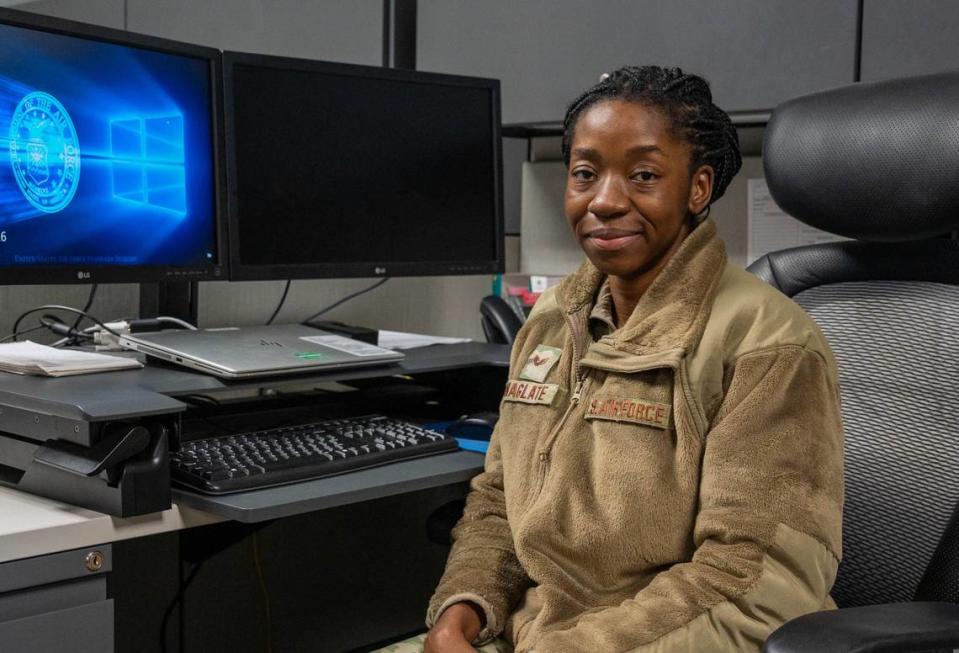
249 352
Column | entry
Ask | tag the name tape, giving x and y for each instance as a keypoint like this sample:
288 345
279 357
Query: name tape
638 411
527 392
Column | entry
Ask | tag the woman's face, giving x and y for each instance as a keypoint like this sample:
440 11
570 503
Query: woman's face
630 190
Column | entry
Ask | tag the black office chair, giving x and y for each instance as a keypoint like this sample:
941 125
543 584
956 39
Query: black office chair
880 163
500 322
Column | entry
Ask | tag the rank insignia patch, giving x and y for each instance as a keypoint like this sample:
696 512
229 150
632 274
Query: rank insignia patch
638 411
530 393
540 362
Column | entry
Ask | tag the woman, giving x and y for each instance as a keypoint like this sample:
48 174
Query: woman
666 474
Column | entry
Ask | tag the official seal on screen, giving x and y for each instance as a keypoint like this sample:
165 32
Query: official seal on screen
44 152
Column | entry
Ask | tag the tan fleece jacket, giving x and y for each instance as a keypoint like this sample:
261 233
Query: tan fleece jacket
675 485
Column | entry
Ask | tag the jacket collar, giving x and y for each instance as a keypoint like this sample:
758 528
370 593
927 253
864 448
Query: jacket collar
671 315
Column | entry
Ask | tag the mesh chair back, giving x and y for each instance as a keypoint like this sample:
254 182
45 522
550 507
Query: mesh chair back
897 348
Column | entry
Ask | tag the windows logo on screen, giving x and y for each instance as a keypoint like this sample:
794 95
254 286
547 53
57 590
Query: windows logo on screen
148 162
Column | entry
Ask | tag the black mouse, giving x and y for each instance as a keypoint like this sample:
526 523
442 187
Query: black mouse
475 426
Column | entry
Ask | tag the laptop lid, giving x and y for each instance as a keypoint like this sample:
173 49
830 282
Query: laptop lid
258 351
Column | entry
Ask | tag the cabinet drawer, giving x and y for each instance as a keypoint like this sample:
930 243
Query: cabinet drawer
87 628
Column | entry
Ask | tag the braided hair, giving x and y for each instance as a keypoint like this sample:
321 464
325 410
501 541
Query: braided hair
688 105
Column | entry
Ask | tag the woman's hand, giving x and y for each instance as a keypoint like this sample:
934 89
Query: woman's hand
455 629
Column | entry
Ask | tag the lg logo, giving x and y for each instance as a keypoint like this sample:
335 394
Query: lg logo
379 270
81 275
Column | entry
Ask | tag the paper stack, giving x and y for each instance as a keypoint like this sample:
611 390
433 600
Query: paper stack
30 358
403 340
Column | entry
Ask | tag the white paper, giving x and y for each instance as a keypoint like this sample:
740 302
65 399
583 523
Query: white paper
347 345
770 229
401 340
30 358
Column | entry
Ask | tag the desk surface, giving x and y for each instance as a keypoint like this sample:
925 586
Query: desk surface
32 525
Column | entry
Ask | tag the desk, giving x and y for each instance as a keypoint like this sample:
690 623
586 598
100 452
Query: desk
43 541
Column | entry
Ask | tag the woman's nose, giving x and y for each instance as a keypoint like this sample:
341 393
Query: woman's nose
611 198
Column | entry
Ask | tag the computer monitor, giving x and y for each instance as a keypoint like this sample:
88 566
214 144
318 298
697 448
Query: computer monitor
338 170
109 155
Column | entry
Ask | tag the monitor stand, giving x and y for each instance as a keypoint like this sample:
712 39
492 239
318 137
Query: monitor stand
171 298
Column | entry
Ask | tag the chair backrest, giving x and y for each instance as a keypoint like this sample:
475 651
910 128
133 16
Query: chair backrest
872 162
500 322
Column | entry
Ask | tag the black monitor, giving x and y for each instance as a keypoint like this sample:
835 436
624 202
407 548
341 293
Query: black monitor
338 170
109 155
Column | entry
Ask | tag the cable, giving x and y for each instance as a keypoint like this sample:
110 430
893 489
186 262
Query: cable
266 594
23 333
177 600
198 399
282 301
346 299
56 307
91 331
125 324
58 326
76 323
176 320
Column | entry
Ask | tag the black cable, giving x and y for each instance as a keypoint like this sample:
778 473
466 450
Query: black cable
177 600
282 301
57 307
197 399
23 333
346 299
258 566
61 328
76 324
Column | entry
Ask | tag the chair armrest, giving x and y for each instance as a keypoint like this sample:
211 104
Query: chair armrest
887 628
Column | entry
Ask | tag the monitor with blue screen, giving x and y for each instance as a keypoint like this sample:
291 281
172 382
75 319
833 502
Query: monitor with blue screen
108 155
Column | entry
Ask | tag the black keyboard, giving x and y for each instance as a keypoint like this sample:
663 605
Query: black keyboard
248 461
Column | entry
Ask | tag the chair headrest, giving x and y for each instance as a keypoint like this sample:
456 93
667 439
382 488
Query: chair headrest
876 161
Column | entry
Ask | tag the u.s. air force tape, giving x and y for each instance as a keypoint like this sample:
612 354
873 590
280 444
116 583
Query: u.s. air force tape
638 411
527 392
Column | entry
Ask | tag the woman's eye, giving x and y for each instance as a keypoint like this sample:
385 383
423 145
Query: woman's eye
582 175
645 175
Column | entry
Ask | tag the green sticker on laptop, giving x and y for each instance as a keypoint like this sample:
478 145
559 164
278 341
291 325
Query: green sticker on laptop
309 355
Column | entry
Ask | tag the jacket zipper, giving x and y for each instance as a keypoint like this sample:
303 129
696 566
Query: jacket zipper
543 454
544 451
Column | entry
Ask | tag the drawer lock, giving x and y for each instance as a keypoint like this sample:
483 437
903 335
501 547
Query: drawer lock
94 561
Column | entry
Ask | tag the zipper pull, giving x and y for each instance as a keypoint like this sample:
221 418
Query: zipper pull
577 392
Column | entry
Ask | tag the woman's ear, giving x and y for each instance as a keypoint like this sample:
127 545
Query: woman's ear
700 189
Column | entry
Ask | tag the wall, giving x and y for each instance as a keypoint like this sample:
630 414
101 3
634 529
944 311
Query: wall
909 38
756 53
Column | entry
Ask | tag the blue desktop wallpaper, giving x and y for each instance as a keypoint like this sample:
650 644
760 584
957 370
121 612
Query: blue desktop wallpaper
106 154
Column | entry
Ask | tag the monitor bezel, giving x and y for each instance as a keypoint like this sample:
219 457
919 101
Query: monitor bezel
240 271
71 274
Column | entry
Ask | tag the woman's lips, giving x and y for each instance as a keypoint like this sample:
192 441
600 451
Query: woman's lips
612 239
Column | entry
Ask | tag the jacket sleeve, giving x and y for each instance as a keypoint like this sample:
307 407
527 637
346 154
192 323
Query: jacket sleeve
482 566
768 529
